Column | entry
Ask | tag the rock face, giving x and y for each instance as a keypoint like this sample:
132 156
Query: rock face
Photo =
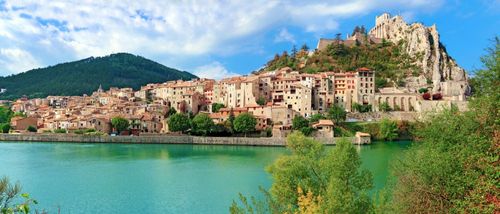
423 44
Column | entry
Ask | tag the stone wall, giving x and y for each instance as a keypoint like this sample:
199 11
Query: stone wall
158 139
392 115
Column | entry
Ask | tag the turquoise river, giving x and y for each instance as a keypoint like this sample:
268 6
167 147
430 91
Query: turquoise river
132 178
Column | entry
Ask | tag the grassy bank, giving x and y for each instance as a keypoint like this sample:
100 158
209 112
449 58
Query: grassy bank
401 130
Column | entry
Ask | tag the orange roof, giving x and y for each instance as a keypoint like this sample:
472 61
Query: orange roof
364 69
323 123
216 115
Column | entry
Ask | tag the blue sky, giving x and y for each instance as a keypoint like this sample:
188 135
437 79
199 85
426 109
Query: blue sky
217 39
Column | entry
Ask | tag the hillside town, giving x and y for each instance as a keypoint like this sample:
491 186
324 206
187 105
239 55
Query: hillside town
273 98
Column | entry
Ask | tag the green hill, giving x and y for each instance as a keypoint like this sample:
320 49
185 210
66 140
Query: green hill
390 61
85 76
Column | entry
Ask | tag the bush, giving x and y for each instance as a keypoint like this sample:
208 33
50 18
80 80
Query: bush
216 107
31 129
261 101
426 96
385 107
316 117
388 130
423 90
269 132
5 127
299 122
361 108
79 131
307 131
60 131
373 129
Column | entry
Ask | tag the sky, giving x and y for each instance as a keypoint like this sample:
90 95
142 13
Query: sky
217 39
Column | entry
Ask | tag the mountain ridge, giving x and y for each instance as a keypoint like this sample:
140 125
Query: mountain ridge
114 70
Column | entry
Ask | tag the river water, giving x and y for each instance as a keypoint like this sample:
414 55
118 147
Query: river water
131 178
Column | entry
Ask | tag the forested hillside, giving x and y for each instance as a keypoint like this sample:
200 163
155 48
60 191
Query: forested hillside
85 76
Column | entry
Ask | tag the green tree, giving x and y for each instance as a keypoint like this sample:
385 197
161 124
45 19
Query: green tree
244 123
10 193
361 108
5 127
348 186
423 90
171 111
304 47
179 122
299 122
31 129
5 114
120 124
261 101
454 166
332 179
337 114
388 129
216 107
316 117
203 124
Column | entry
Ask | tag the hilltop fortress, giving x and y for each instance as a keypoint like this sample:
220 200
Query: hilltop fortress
421 43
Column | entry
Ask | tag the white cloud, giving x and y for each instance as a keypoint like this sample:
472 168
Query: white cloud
214 70
16 59
284 36
55 30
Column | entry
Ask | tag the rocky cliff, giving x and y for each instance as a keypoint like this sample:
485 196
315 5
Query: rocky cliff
423 44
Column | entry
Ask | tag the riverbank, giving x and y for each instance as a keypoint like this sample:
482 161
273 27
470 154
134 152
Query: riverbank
158 139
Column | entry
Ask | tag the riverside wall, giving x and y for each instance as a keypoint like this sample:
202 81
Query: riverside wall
157 139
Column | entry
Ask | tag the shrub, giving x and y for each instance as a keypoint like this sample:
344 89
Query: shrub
61 131
423 90
307 131
361 108
261 101
216 107
385 107
5 128
299 122
79 131
388 130
31 129
269 132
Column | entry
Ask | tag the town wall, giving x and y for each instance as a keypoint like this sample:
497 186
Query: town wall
158 139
